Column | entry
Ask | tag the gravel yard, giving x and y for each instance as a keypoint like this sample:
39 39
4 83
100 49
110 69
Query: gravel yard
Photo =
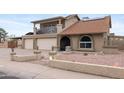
26 70
94 58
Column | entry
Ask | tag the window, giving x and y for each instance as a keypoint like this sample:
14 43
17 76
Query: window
85 42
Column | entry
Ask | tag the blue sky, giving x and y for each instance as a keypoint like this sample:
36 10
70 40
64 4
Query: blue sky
19 24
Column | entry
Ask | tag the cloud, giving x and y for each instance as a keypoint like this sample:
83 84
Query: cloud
18 32
10 22
15 27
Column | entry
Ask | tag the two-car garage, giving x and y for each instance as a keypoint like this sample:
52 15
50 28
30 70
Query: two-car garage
42 43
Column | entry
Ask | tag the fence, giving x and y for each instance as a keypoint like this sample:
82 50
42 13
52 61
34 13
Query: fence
12 44
4 45
116 41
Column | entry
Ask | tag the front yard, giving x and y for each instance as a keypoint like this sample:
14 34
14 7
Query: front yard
11 69
94 58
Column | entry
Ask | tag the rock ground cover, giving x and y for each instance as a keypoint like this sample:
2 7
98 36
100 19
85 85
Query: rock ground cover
11 69
94 58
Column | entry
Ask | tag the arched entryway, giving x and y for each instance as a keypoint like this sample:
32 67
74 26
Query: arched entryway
65 41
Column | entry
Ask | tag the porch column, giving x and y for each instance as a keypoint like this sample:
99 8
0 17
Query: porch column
60 21
34 39
59 26
34 43
58 42
111 40
34 29
23 43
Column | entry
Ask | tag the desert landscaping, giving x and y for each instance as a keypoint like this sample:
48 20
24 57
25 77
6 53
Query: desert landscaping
94 58
42 68
36 69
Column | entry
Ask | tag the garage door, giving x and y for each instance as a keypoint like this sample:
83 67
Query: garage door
46 44
29 44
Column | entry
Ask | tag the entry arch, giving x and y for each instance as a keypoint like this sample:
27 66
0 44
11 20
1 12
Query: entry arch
65 41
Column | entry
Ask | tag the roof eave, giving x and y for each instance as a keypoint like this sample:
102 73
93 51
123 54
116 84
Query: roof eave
82 33
48 19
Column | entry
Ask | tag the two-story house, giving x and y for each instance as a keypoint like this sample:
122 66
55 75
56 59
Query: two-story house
79 34
45 35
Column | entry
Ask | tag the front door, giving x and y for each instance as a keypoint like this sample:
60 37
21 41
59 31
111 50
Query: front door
65 41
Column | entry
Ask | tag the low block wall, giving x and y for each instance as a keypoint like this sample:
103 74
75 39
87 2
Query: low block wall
4 45
110 50
121 47
109 71
24 58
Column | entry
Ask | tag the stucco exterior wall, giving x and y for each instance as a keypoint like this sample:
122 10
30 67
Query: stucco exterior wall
116 40
110 50
75 42
70 21
98 42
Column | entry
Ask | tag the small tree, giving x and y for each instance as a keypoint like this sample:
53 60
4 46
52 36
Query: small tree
3 34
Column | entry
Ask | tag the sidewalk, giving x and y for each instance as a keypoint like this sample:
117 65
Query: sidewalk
26 70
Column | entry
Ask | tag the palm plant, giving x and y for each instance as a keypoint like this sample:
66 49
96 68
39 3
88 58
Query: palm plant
3 34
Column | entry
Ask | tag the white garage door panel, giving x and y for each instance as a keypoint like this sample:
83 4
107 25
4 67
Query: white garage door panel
29 44
46 43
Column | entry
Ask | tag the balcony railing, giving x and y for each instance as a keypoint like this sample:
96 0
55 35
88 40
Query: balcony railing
49 29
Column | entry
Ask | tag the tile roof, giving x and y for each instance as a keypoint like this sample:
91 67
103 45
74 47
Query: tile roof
100 25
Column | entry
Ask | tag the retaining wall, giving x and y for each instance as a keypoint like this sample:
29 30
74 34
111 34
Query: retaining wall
109 71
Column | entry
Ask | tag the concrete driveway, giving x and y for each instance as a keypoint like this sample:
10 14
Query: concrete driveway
27 70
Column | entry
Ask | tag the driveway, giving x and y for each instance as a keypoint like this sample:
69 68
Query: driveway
30 70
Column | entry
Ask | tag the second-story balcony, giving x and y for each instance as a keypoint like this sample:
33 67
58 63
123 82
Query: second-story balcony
48 29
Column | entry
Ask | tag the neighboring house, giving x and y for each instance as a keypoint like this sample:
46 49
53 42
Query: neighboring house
82 35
